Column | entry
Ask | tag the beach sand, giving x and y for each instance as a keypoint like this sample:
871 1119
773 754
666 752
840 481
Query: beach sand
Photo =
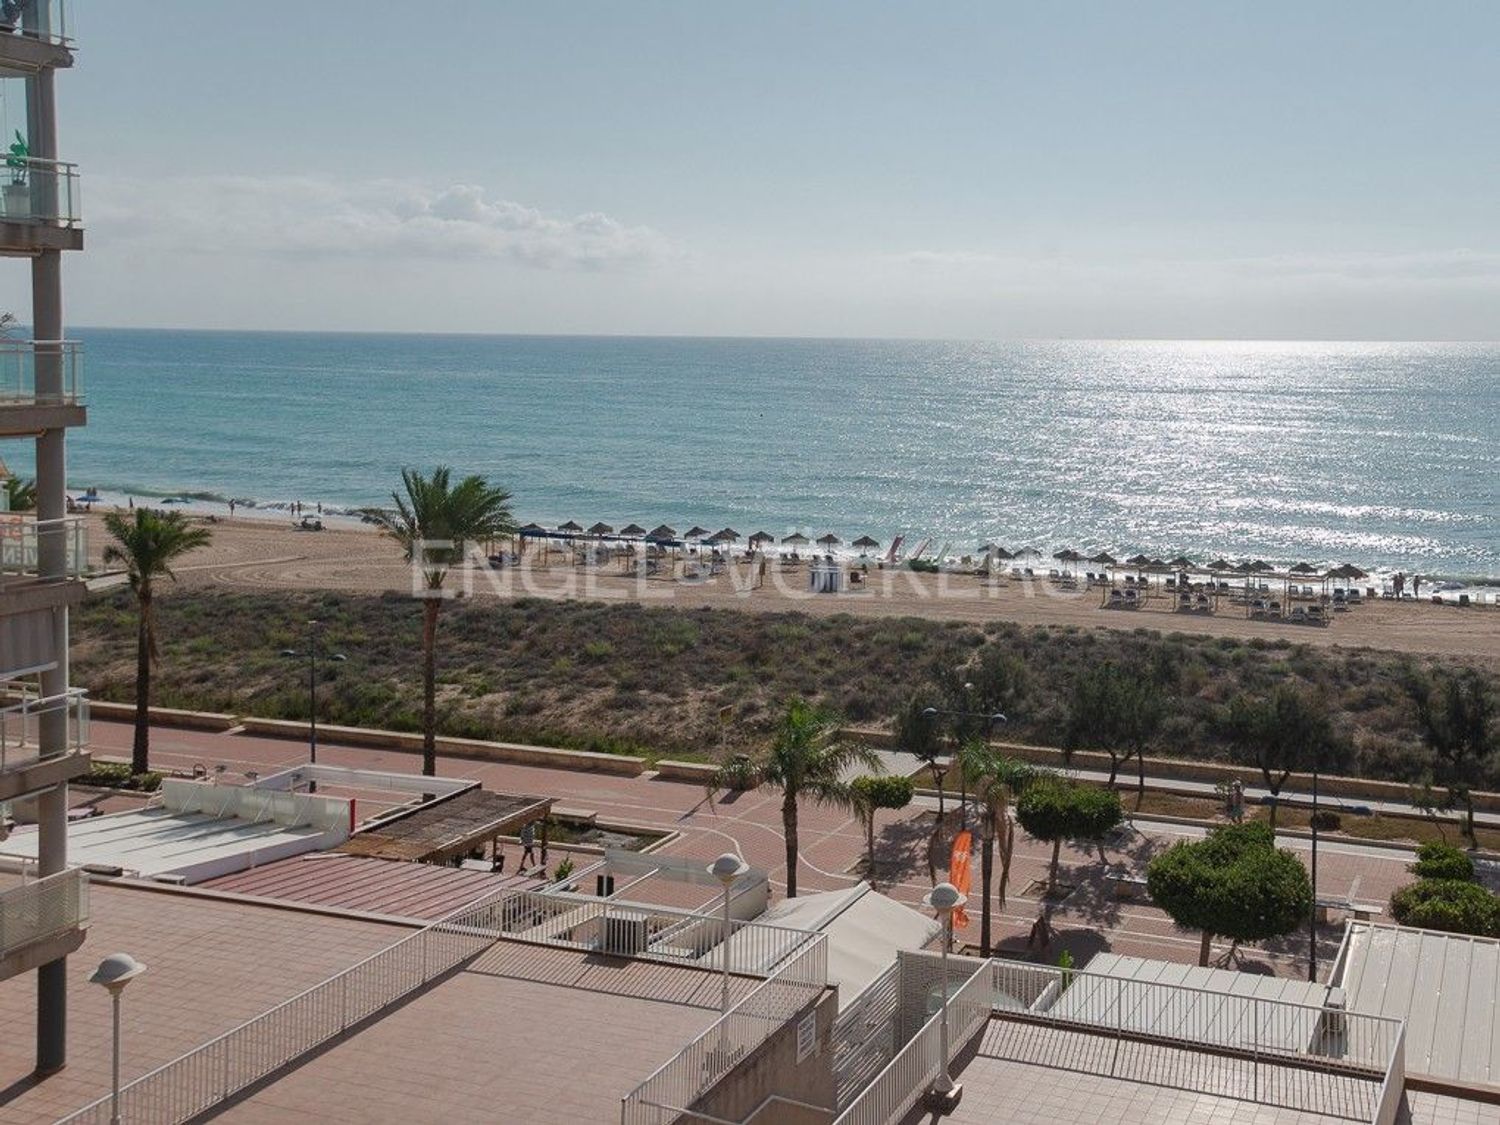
265 555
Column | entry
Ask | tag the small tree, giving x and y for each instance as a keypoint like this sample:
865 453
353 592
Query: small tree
20 495
996 779
147 543
1117 711
1456 719
1055 810
872 793
1287 732
1234 883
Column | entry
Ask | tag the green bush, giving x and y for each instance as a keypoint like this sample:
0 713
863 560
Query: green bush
884 792
1437 860
1451 905
117 775
1325 821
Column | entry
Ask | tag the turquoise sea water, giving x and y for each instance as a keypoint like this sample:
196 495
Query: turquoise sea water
1384 454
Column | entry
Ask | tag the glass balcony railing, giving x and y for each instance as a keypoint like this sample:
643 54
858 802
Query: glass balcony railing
59 363
40 191
43 548
27 719
39 19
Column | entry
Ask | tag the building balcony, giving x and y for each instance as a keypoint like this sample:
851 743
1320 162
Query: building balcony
42 550
26 720
34 34
41 386
39 206
42 920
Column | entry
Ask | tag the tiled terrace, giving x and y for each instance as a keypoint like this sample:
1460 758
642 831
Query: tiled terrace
210 966
525 1034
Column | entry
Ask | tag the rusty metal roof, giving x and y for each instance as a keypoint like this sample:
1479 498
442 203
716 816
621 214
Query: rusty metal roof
373 886
447 828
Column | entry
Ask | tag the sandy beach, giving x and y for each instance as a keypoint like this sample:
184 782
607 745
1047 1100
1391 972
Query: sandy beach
255 554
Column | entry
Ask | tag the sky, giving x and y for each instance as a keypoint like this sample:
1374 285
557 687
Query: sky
988 170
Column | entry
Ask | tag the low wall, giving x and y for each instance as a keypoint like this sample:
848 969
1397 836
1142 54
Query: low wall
1181 769
700 773
478 749
164 716
773 1070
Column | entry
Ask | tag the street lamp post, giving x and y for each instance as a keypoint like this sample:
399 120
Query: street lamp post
944 898
313 628
114 973
1312 925
726 869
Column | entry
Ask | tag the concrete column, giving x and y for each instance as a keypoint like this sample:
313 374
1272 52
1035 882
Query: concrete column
53 544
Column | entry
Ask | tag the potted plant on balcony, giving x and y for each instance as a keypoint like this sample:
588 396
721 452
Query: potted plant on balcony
17 193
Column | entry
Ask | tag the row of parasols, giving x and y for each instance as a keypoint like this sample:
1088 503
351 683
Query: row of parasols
1346 572
668 536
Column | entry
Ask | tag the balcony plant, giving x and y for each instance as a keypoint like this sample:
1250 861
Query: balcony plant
17 192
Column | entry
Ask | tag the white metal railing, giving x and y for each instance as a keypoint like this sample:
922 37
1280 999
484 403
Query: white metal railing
652 932
36 19
33 189
57 548
45 908
211 1074
663 1097
864 1035
914 1069
24 725
20 361
1319 1059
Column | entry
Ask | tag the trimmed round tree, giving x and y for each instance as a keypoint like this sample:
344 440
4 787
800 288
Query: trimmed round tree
870 793
1235 883
1055 810
1437 860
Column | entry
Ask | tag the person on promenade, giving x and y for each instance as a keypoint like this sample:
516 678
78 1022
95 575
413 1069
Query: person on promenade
528 846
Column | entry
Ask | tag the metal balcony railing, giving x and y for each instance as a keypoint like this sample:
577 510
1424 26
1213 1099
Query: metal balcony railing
40 191
59 363
45 548
44 908
46 20
25 722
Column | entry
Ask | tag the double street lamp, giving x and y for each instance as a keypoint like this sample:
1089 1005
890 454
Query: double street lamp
932 714
314 629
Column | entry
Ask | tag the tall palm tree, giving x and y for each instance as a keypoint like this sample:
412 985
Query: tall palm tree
996 779
434 521
147 543
807 759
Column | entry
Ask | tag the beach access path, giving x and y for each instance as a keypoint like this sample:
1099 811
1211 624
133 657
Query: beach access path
1089 920
264 555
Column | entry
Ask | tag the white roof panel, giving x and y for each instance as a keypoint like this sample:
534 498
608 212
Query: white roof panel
1446 987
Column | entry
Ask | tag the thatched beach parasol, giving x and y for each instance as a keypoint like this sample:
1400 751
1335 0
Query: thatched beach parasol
662 531
829 540
601 529
795 539
761 537
633 531
865 543
572 527
695 532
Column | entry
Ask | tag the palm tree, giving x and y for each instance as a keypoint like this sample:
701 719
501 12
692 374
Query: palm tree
20 494
996 779
147 543
434 521
807 759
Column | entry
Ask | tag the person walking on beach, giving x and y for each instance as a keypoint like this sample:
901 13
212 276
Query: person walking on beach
528 845
1416 585
1398 583
231 509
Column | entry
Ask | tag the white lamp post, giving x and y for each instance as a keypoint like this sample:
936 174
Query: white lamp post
945 898
114 973
726 869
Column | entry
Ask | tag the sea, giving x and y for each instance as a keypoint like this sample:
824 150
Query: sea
1382 454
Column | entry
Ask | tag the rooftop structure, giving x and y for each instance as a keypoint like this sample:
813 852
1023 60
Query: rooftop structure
451 828
43 719
1445 986
408 891
199 830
